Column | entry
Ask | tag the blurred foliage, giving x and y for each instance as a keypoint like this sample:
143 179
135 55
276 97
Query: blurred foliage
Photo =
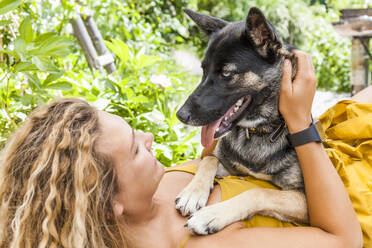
346 4
153 23
40 59
305 24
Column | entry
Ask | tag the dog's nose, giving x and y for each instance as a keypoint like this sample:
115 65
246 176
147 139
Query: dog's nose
183 115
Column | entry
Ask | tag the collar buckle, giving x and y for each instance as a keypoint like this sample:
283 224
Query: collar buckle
275 135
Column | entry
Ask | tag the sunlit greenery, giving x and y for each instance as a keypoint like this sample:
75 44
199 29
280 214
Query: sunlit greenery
41 60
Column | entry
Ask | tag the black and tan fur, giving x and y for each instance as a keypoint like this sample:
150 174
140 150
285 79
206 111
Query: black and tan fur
251 54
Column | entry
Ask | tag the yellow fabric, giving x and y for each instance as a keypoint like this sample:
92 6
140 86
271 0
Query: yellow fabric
348 128
232 186
184 242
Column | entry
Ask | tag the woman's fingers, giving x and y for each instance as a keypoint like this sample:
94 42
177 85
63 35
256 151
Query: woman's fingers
286 86
296 97
305 71
302 63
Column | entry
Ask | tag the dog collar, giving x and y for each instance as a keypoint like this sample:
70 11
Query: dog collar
262 130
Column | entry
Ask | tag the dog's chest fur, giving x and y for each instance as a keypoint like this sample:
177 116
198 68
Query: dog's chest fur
259 157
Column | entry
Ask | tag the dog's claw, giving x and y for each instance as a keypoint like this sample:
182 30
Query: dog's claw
192 198
209 220
210 230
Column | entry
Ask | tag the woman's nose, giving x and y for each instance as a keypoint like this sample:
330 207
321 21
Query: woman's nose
149 138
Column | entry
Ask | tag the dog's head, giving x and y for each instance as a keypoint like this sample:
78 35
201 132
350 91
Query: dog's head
242 68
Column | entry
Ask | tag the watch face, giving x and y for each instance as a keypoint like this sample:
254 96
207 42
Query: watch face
320 129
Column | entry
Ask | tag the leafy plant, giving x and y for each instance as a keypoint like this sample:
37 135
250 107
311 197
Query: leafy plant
147 96
39 65
25 60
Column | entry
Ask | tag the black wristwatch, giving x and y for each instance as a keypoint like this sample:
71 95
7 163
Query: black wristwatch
308 135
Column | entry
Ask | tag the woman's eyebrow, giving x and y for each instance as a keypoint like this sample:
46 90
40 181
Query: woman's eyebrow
133 137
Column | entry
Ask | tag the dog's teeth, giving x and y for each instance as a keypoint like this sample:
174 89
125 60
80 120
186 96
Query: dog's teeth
225 124
236 109
225 118
218 129
239 102
231 114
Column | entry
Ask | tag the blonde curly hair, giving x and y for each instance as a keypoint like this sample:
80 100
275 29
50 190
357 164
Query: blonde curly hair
56 189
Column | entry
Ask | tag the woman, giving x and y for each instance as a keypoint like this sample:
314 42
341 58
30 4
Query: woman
73 176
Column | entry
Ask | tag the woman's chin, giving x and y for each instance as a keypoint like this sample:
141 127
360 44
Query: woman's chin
159 167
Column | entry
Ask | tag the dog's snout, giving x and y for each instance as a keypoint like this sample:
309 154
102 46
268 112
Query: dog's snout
183 115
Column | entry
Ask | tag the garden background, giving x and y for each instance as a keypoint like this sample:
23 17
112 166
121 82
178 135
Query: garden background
40 58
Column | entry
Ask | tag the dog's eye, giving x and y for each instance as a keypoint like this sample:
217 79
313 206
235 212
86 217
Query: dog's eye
226 73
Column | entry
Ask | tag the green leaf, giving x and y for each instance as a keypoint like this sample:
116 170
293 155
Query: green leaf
34 81
95 91
120 49
8 5
44 63
51 77
5 22
179 39
27 99
42 38
110 85
25 30
25 66
52 45
62 85
20 48
12 53
191 135
140 99
145 61
129 93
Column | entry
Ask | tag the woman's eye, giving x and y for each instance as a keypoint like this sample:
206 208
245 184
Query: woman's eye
226 73
137 150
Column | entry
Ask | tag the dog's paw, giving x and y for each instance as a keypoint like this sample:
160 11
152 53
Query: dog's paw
193 198
208 220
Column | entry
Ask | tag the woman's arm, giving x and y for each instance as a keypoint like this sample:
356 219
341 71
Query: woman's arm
329 205
332 217
261 237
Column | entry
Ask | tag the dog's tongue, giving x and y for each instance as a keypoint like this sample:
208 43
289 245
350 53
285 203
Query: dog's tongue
207 134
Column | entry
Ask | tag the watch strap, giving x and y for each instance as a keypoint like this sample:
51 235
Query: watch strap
308 135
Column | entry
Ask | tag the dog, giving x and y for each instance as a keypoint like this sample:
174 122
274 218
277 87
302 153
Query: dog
237 103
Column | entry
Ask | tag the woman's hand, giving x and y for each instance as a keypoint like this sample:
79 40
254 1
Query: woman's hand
296 97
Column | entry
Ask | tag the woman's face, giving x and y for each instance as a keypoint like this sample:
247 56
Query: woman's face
138 171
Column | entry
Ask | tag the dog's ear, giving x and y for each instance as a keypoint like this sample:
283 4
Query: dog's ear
262 34
208 24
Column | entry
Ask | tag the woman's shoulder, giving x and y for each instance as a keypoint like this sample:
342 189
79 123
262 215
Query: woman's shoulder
177 178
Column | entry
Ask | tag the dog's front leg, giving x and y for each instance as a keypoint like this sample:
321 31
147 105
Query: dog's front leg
196 193
284 205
